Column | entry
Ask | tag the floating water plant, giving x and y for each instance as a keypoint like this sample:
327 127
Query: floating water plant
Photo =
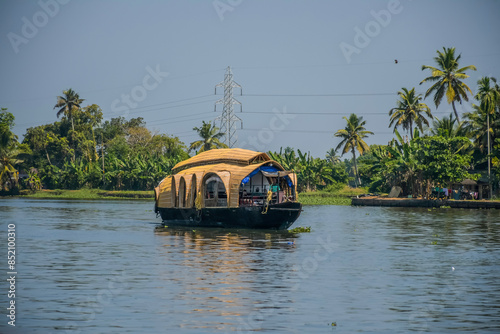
300 229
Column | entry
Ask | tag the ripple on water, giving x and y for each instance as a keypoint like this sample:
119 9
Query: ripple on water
98 266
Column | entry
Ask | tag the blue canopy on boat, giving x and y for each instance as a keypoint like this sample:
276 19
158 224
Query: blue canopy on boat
268 169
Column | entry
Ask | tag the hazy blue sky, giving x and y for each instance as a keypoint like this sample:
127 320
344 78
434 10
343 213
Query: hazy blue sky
287 50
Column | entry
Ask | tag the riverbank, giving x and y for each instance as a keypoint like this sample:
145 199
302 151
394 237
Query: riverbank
340 197
92 194
425 203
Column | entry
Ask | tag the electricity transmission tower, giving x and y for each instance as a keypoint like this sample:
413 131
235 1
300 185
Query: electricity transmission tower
228 119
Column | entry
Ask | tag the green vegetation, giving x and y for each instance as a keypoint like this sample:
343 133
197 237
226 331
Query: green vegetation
331 196
80 151
300 229
89 194
323 199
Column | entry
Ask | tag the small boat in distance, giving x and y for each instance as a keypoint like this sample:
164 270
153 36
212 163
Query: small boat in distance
233 188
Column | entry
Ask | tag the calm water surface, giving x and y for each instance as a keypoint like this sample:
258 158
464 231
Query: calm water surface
99 267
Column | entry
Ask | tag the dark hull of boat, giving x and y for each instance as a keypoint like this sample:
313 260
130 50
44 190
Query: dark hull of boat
278 216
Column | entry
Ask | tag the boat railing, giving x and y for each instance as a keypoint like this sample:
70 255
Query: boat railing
252 199
255 199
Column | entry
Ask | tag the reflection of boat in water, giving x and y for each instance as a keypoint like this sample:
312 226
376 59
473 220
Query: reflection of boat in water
262 238
229 188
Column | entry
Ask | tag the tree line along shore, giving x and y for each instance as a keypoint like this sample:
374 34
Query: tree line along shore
308 198
103 158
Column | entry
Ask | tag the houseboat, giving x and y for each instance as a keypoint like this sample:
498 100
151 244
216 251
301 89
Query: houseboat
232 188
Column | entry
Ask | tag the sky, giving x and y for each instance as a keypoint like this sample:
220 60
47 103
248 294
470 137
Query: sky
302 65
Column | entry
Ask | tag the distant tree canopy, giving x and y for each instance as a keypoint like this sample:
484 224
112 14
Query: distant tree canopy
80 149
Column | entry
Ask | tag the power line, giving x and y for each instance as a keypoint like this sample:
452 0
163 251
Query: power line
170 118
170 102
325 95
184 120
309 131
343 64
136 112
111 88
337 113
171 107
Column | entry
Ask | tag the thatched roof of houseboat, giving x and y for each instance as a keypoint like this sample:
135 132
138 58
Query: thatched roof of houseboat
237 156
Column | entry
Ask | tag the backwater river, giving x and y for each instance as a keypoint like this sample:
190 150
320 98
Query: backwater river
99 267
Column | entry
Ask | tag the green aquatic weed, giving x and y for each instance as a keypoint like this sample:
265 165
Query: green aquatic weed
300 229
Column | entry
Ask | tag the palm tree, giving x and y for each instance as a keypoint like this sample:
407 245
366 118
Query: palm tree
332 157
352 139
11 152
9 158
33 180
409 110
404 164
447 77
489 97
477 125
210 138
66 104
448 127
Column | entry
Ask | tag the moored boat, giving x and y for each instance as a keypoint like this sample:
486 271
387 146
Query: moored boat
233 188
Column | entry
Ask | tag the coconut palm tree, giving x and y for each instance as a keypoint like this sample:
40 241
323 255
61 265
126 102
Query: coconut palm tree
33 180
352 139
447 79
332 157
66 104
210 138
11 152
484 113
489 97
9 158
477 125
409 110
448 127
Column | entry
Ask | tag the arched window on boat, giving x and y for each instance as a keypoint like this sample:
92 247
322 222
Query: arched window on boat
191 191
264 181
173 192
181 198
215 194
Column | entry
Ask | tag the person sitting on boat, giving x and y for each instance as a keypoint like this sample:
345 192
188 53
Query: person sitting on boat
275 187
